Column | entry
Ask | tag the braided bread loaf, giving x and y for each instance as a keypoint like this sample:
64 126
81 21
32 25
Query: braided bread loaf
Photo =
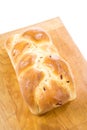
45 79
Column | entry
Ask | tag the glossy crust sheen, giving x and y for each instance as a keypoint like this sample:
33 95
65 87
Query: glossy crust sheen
45 78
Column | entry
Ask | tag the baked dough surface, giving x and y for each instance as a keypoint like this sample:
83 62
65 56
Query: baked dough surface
45 79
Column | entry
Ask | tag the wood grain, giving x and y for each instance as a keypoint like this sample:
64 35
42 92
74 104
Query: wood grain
14 113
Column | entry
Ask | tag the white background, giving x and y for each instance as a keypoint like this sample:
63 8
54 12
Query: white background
15 14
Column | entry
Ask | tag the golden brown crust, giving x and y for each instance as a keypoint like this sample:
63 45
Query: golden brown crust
26 61
52 97
45 78
28 83
18 49
60 69
36 36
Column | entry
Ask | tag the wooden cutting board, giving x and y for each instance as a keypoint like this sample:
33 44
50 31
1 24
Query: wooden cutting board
14 113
